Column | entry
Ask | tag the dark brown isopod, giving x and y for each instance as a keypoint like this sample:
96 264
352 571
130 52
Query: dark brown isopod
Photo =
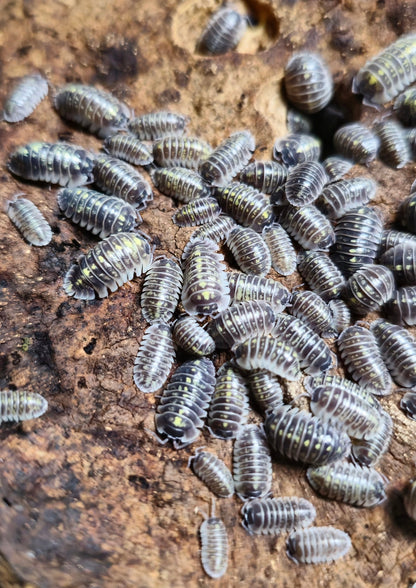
213 472
282 252
401 309
311 309
345 195
401 260
244 287
369 288
246 205
187 152
394 149
128 148
25 97
356 142
297 148
249 251
398 350
197 212
180 183
228 159
155 125
321 274
274 516
223 31
311 229
308 82
305 183
252 464
266 176
318 545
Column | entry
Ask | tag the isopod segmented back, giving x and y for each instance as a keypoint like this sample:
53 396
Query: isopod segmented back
405 107
252 464
369 288
311 309
155 125
229 158
161 290
311 229
336 167
191 337
246 205
282 252
174 151
308 82
341 314
394 149
401 309
265 176
197 212
249 251
244 287
296 148
318 545
154 358
398 350
305 183
345 195
214 546
216 230
269 353
223 31
180 183
20 405
401 260
274 516
128 148
408 404
213 472
321 274
24 97
356 142
29 220
368 452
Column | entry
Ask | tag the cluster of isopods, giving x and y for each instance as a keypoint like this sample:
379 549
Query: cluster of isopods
254 208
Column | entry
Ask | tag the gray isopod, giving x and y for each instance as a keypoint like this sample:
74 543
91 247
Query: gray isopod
305 183
369 288
308 82
301 437
249 251
252 464
321 274
96 110
311 229
296 148
336 167
213 472
128 148
223 31
180 183
368 452
401 260
401 308
154 358
266 176
341 315
161 290
246 205
24 97
197 212
244 287
398 350
274 516
155 125
108 265
311 309
216 230
356 142
345 195
20 405
29 220
318 545
265 389
214 546
228 159
334 381
121 179
191 337
174 151
265 352
282 252
394 149
390 238
102 215
55 163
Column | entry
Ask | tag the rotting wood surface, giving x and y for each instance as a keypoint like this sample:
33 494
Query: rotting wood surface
88 497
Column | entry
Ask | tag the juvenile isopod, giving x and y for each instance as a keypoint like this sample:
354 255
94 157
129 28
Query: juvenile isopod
313 353
301 437
401 308
305 183
94 109
345 195
183 407
213 472
108 265
197 212
252 464
401 260
318 545
405 107
249 251
337 405
368 452
24 97
394 147
362 359
191 337
161 290
29 220
388 73
155 125
229 158
282 252
308 82
398 350
229 408
408 404
369 288
20 405
186 152
205 288
240 321
244 287
128 148
356 142
265 389
336 167
297 148
266 176
180 183
216 230
265 352
223 31
390 238
214 545
55 163
312 310
311 229
274 516
321 274
341 314
342 385
246 205
121 179
102 215
154 358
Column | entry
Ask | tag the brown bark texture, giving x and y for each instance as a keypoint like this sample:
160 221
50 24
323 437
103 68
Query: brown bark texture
88 496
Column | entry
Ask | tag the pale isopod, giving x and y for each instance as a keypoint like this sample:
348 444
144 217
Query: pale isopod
305 183
308 82
274 516
249 251
19 405
368 452
229 158
154 358
128 148
214 546
161 290
180 183
318 545
187 152
213 472
155 125
252 464
217 230
398 350
25 97
282 252
29 220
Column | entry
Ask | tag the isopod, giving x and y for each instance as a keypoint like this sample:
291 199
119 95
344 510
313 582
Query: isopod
161 290
24 97
398 350
197 212
155 125
154 358
20 405
282 252
301 437
345 195
321 274
55 163
407 213
356 142
368 452
205 289
180 183
102 215
246 205
296 148
336 167
341 315
305 183
401 260
214 546
249 251
128 148
229 158
369 288
223 31
174 151
29 220
308 82
394 149
311 229
96 110
408 404
388 73
362 359
183 407
265 389
274 516
244 287
312 310
240 321
252 464
318 545
108 265
191 337
213 472
343 385
265 352
390 238
266 176
229 408
402 308
297 122
405 107
217 230
121 179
